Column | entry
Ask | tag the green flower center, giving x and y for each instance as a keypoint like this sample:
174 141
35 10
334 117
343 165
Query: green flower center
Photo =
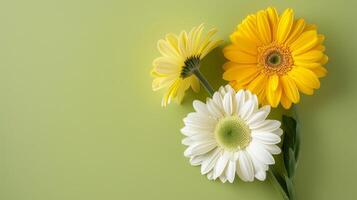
274 59
232 133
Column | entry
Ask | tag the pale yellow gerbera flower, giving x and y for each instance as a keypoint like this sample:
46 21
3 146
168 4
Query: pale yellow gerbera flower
275 57
181 56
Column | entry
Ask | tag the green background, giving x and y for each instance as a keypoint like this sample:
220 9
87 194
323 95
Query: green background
78 119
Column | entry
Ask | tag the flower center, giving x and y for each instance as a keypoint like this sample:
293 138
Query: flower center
275 59
191 63
232 133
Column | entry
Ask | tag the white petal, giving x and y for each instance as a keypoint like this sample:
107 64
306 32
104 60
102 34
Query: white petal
223 178
278 132
214 109
190 131
187 141
222 91
266 137
228 104
231 171
208 164
200 121
218 99
266 126
201 137
221 164
259 116
240 96
210 175
229 88
261 175
200 148
258 166
248 95
245 168
187 131
257 151
273 149
256 102
197 160
246 110
200 107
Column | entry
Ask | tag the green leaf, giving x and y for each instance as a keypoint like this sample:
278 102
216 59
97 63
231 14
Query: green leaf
289 127
291 166
291 145
291 148
290 187
281 180
297 145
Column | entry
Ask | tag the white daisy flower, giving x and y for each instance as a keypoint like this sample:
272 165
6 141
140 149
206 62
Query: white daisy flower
230 134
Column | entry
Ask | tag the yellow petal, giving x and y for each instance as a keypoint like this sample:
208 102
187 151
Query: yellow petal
181 89
210 46
264 31
249 29
239 56
321 38
172 40
273 91
304 43
290 88
319 48
242 75
228 65
235 85
310 56
304 88
305 76
317 68
162 82
182 44
273 21
196 37
171 93
166 49
257 85
285 24
319 71
285 102
274 82
296 31
167 66
195 84
203 45
324 60
153 73
310 27
243 44
307 64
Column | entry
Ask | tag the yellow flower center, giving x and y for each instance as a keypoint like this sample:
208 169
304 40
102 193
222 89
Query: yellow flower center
232 133
275 59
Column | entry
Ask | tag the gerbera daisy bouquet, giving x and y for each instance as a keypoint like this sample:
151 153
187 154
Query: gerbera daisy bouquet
271 60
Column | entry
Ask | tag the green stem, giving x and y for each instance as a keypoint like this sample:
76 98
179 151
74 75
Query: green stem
277 185
203 81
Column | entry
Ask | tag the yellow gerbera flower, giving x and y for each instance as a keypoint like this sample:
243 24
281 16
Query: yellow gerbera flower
181 56
275 57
